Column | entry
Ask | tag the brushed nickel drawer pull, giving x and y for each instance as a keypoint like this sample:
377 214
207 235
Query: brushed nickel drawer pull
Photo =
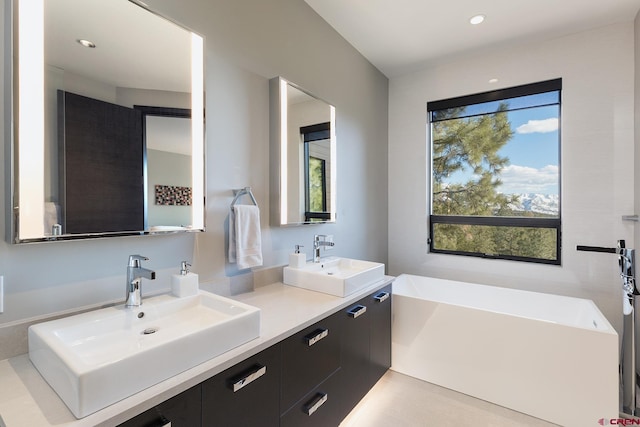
316 336
320 400
249 378
382 296
356 311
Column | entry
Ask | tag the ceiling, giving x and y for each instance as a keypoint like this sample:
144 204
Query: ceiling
400 36
134 47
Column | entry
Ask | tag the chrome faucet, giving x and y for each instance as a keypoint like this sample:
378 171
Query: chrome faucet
319 240
135 274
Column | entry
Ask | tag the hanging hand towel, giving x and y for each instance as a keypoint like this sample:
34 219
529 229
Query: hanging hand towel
245 240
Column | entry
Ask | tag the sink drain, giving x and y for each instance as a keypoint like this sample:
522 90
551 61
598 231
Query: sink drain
149 331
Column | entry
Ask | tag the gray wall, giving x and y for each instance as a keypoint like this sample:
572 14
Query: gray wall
247 43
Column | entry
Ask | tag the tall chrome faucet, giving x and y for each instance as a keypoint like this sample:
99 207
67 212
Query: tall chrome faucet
320 240
135 274
628 362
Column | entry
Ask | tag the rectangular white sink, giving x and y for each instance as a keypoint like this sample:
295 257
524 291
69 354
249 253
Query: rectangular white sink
97 358
334 275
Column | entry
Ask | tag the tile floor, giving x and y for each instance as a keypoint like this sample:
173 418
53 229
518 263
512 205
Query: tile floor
398 400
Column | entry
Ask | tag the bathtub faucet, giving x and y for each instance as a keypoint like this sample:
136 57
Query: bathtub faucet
320 240
135 274
626 261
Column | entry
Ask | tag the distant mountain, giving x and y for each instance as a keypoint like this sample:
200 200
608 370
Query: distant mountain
541 203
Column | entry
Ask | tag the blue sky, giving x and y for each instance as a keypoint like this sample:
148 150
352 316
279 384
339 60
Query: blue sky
533 153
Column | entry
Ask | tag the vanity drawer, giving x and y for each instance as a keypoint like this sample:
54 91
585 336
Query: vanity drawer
182 410
380 344
308 358
245 394
355 357
321 407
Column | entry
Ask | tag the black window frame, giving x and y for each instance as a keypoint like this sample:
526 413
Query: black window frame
528 222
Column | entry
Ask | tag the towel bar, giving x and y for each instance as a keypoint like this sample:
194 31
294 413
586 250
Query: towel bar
241 192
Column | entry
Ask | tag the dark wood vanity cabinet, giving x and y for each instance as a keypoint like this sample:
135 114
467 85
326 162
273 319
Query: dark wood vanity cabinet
308 358
246 394
355 363
322 406
183 410
311 394
361 342
380 340
312 378
366 345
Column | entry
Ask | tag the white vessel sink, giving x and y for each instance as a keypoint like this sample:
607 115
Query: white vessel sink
97 358
334 275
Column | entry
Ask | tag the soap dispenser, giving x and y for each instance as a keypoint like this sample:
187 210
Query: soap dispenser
297 259
186 283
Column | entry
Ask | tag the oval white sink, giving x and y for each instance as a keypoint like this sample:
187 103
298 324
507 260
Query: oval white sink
97 358
334 275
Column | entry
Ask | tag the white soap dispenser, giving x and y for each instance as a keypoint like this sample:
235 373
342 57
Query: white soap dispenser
186 283
297 259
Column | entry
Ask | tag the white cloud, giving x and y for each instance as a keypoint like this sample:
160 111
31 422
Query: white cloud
524 179
539 126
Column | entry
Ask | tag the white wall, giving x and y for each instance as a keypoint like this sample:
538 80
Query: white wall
247 42
597 165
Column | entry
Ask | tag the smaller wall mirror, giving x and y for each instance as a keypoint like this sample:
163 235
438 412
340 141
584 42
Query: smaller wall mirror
303 156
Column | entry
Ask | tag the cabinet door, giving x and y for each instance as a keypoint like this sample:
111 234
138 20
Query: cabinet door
308 358
183 410
101 166
246 394
355 352
380 351
321 407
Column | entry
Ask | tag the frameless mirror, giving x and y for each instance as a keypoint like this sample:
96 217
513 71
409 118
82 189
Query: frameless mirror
108 121
303 156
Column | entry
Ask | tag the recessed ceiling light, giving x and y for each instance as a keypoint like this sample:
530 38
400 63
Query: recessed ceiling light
86 43
493 80
477 19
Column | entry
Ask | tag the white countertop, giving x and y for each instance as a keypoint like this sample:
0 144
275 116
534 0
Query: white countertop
27 400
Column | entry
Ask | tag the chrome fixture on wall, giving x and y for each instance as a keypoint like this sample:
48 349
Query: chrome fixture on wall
628 353
628 369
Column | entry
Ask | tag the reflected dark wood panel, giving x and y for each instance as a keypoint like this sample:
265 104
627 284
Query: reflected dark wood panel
101 166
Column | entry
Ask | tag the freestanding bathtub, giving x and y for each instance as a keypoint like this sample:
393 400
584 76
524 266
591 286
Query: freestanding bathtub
549 356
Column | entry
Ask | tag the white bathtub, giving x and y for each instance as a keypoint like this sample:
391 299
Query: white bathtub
549 356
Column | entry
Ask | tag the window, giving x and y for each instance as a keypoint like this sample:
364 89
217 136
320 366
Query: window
317 153
495 174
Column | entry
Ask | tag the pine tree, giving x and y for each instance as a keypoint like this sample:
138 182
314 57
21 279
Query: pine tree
473 144
469 144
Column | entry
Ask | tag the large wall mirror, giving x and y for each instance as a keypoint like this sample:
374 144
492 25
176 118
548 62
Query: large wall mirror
108 121
303 156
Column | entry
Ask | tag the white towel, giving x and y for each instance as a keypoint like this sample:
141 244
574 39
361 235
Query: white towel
245 239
